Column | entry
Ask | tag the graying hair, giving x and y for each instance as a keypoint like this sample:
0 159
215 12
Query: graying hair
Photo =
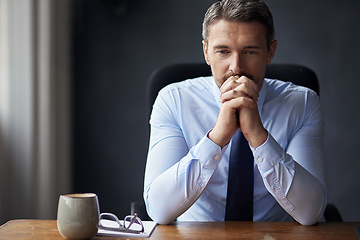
240 11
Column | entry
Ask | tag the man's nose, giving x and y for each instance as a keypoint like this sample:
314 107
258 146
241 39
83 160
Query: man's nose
237 65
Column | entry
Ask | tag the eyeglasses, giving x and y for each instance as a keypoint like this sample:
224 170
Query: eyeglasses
131 223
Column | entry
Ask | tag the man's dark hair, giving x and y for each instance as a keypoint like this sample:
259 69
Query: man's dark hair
240 11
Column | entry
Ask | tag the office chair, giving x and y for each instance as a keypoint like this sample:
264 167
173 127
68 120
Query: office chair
163 76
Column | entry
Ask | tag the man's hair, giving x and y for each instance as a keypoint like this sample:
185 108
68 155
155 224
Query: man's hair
240 11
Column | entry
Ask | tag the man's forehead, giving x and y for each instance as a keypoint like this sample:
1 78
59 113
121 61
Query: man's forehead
222 32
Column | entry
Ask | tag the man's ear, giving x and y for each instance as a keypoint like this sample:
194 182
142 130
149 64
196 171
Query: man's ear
272 50
205 49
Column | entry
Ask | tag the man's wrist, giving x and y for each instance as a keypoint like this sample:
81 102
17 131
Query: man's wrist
258 139
221 142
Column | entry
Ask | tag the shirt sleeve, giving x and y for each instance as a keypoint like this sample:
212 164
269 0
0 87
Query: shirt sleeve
295 176
175 176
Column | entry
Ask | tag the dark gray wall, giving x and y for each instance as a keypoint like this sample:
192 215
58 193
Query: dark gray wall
118 43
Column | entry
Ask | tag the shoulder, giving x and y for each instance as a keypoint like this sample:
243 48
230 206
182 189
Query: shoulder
194 85
176 99
185 93
287 90
288 107
296 100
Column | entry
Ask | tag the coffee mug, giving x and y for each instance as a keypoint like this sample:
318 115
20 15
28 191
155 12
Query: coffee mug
78 215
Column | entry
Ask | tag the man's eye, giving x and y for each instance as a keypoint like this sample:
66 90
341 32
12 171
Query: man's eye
222 52
250 52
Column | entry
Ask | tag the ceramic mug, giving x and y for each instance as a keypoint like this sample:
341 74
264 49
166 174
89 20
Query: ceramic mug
78 215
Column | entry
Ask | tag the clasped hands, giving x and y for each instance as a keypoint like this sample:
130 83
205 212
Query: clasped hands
239 96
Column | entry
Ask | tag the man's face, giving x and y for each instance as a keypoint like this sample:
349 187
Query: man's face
238 48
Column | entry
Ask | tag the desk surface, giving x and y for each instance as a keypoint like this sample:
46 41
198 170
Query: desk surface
47 229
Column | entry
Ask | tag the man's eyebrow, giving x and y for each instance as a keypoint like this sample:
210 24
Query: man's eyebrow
252 47
246 47
221 46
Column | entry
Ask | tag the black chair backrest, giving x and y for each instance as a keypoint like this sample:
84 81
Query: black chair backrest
163 76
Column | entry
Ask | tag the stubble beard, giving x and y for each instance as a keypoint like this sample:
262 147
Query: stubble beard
220 81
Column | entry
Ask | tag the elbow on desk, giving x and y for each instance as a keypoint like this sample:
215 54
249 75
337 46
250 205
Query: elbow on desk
160 218
309 217
159 210
307 222
308 197
162 221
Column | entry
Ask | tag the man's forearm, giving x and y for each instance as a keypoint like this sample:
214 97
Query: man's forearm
173 191
307 196
299 192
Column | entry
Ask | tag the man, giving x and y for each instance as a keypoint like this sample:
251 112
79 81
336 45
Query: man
193 124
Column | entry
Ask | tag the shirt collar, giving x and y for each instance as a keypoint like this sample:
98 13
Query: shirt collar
262 94
216 92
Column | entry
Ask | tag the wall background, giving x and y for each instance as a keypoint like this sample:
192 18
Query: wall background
118 43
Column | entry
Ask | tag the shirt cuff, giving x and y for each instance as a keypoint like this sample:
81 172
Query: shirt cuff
208 152
268 154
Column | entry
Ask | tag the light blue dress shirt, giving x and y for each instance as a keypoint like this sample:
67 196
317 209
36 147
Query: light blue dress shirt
187 174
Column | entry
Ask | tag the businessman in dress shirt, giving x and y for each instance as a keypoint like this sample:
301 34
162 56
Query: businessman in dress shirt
193 122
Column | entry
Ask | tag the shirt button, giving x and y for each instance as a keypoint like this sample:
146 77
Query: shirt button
217 157
260 160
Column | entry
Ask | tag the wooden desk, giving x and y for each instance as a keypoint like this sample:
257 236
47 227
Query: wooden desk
47 229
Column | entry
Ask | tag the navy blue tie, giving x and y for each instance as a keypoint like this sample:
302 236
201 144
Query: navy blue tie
239 201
